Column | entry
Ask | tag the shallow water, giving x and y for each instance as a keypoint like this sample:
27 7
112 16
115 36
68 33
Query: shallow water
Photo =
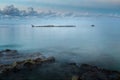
97 45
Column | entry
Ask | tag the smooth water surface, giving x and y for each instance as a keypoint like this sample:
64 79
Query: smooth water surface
98 45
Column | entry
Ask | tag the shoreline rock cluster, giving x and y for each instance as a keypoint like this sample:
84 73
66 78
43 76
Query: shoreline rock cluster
33 68
28 63
90 72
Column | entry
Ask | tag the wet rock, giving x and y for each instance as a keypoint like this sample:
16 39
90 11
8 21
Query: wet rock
72 64
49 59
1 54
94 76
35 55
8 52
69 71
75 77
28 64
16 66
86 67
38 61
6 71
89 72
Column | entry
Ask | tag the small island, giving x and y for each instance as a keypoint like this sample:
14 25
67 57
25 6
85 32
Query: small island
54 26
92 25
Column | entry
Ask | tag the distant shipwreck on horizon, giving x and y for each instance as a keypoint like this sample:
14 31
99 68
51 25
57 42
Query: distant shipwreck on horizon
54 26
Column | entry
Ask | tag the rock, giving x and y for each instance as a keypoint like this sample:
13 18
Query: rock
49 59
73 64
86 67
75 77
17 65
15 69
6 71
89 72
8 52
93 25
38 61
1 54
35 55
94 76
28 64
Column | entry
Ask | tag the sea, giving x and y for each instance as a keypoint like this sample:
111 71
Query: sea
98 45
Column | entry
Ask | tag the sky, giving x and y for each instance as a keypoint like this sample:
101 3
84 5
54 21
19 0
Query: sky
74 6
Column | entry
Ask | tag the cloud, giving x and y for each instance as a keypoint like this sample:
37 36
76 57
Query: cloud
12 11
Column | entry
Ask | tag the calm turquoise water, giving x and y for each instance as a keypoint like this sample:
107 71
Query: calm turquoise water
98 45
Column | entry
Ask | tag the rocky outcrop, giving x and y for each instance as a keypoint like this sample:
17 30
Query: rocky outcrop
37 67
26 64
10 56
89 72
18 61
8 52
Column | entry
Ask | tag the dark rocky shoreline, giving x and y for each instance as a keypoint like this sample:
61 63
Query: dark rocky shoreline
37 67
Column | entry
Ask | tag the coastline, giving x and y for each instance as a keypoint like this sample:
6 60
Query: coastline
36 66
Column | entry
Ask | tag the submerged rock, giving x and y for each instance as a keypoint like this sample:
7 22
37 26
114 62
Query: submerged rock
10 56
8 52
